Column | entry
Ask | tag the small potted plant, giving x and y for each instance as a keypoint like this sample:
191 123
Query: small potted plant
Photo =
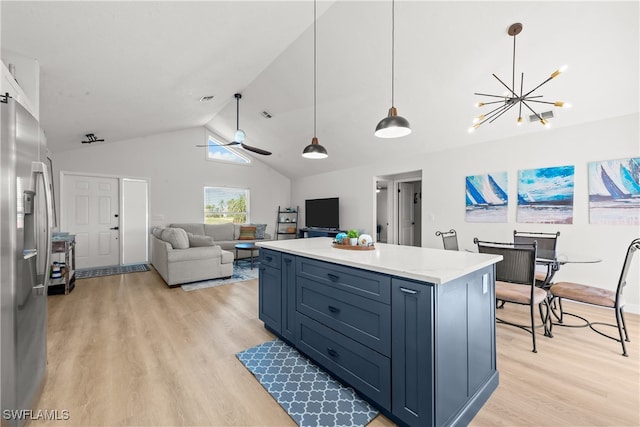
353 237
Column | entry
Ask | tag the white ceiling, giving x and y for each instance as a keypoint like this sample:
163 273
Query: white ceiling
124 69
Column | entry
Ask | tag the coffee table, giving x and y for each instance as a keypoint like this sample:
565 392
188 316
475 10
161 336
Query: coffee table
246 247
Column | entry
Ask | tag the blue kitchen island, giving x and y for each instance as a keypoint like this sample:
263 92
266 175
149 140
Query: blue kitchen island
412 330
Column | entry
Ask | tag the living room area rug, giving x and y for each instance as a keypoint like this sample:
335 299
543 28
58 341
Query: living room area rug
86 273
308 394
241 272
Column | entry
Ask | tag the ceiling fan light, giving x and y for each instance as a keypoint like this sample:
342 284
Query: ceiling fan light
239 136
393 126
314 150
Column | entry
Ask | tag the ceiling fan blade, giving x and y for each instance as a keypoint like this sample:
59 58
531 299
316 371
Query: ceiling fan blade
219 145
256 150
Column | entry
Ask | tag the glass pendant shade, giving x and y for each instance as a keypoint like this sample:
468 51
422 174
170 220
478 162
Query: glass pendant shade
314 150
393 126
239 136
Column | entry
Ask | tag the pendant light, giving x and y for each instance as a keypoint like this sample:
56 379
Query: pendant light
393 126
314 150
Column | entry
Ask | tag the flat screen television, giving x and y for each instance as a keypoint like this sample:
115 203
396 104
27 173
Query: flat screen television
322 213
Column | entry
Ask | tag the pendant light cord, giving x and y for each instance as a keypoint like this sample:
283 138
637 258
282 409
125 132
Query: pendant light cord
393 48
314 68
513 68
237 112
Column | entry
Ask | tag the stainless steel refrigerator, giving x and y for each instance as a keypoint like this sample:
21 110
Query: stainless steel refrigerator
25 244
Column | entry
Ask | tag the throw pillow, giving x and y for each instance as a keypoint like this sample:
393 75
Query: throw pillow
247 232
177 237
260 229
157 232
197 240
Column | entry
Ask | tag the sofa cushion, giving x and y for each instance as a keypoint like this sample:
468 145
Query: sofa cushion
247 232
193 254
260 229
177 237
219 232
192 227
197 240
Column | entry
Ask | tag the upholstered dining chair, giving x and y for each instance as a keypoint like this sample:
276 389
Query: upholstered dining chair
547 262
449 239
516 283
593 295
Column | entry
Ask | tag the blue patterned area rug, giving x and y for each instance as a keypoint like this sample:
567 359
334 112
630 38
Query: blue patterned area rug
308 394
241 272
86 273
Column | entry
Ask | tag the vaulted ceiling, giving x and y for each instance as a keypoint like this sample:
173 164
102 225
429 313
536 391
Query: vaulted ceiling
124 69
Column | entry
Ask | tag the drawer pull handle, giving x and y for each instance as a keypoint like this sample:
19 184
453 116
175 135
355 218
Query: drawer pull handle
333 277
287 260
333 309
268 258
408 291
332 352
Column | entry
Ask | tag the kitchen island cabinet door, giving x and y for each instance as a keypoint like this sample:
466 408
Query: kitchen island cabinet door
412 349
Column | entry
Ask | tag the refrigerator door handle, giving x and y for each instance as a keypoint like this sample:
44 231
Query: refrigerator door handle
40 168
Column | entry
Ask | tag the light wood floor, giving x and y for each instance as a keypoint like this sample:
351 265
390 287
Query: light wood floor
127 350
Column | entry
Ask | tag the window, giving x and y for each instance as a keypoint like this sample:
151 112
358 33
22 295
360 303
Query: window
224 204
216 150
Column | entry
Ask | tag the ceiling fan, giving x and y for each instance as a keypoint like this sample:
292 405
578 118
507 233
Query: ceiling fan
239 137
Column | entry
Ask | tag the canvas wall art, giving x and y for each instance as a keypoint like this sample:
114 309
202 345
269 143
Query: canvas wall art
614 192
486 198
545 195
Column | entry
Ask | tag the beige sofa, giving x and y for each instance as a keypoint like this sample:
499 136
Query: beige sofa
181 258
224 235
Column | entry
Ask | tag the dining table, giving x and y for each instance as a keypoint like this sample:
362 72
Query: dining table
562 258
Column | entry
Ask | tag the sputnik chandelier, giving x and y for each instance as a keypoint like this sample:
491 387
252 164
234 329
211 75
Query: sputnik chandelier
510 98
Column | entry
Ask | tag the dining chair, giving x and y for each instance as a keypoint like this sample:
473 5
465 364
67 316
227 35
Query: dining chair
546 253
516 283
593 295
449 239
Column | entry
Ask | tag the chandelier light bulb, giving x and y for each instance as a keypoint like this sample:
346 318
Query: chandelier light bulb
519 122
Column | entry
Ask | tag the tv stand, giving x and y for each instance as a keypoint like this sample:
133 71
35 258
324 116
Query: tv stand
318 232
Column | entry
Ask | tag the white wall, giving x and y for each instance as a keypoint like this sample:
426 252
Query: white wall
443 189
178 172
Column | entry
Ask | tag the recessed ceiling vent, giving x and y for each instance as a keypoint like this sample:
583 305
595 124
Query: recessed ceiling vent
206 98
545 115
266 115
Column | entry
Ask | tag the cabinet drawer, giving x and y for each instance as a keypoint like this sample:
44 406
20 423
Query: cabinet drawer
364 369
375 286
364 320
270 258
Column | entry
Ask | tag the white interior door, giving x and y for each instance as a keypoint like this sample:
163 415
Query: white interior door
90 211
406 221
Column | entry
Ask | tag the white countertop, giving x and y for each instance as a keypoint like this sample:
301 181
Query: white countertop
425 264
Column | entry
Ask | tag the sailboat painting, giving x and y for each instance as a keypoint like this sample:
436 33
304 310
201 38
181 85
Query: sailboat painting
614 192
486 197
545 195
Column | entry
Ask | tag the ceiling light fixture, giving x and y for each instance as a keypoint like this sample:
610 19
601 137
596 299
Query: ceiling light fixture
91 138
510 98
393 126
314 150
